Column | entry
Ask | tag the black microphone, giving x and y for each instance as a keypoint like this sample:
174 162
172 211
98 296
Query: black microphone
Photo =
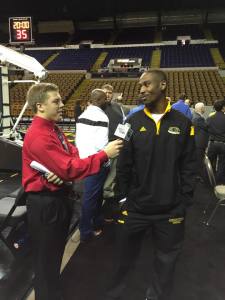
124 131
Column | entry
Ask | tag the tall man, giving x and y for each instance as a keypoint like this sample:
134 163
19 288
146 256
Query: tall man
47 203
91 137
77 110
114 111
201 136
155 172
216 148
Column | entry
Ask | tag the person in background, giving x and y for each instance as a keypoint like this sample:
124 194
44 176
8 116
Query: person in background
112 110
116 116
201 136
91 137
189 103
77 110
216 147
182 107
140 106
48 200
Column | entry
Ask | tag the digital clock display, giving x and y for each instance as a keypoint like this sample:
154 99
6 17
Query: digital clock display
20 30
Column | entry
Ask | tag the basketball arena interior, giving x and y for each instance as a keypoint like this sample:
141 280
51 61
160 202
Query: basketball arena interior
80 46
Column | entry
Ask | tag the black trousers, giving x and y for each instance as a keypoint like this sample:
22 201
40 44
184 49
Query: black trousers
200 153
168 235
48 223
218 149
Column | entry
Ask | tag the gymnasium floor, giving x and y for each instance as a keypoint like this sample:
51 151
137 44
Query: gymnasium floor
199 274
200 271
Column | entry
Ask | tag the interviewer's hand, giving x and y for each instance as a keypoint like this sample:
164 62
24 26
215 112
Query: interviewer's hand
51 177
113 148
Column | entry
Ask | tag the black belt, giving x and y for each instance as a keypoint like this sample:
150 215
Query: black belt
60 192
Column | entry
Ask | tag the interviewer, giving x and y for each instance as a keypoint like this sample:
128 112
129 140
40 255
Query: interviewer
47 199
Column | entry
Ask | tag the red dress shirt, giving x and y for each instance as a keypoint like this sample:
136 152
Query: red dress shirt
43 145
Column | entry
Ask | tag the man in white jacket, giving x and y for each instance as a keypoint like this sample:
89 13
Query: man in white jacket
91 137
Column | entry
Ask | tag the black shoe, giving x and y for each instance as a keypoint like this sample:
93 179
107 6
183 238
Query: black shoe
86 239
90 237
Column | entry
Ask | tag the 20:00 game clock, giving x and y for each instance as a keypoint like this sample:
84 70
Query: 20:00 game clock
20 30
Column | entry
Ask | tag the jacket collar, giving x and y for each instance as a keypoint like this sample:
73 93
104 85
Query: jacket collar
149 114
39 121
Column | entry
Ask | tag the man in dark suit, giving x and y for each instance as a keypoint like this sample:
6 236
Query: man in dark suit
216 148
201 135
77 110
116 116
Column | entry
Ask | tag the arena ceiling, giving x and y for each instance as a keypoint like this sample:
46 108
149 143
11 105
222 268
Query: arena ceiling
93 9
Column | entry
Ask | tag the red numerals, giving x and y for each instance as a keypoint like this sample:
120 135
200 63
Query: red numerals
24 34
21 34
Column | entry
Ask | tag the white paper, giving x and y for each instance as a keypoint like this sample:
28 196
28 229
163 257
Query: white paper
39 167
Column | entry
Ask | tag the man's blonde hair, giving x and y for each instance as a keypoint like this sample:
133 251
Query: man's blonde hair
38 93
107 87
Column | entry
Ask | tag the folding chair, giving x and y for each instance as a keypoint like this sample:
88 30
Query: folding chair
219 190
12 213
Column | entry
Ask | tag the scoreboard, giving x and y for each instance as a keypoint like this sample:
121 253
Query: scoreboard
20 30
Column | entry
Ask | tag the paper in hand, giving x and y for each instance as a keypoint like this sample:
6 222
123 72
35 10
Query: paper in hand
39 167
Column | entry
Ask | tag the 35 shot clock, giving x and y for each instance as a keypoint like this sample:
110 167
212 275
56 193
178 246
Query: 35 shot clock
20 30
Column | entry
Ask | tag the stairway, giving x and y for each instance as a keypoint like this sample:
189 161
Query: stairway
208 34
50 59
156 59
217 58
84 84
100 60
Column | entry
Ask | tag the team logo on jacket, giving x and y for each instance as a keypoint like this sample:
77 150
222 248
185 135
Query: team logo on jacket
175 221
174 130
143 129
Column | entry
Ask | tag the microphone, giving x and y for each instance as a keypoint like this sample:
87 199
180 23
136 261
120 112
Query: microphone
124 131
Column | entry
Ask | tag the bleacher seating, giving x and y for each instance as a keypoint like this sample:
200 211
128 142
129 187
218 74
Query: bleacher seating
170 33
40 55
135 36
200 86
128 87
67 83
186 56
129 52
84 59
75 59
194 55
204 86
